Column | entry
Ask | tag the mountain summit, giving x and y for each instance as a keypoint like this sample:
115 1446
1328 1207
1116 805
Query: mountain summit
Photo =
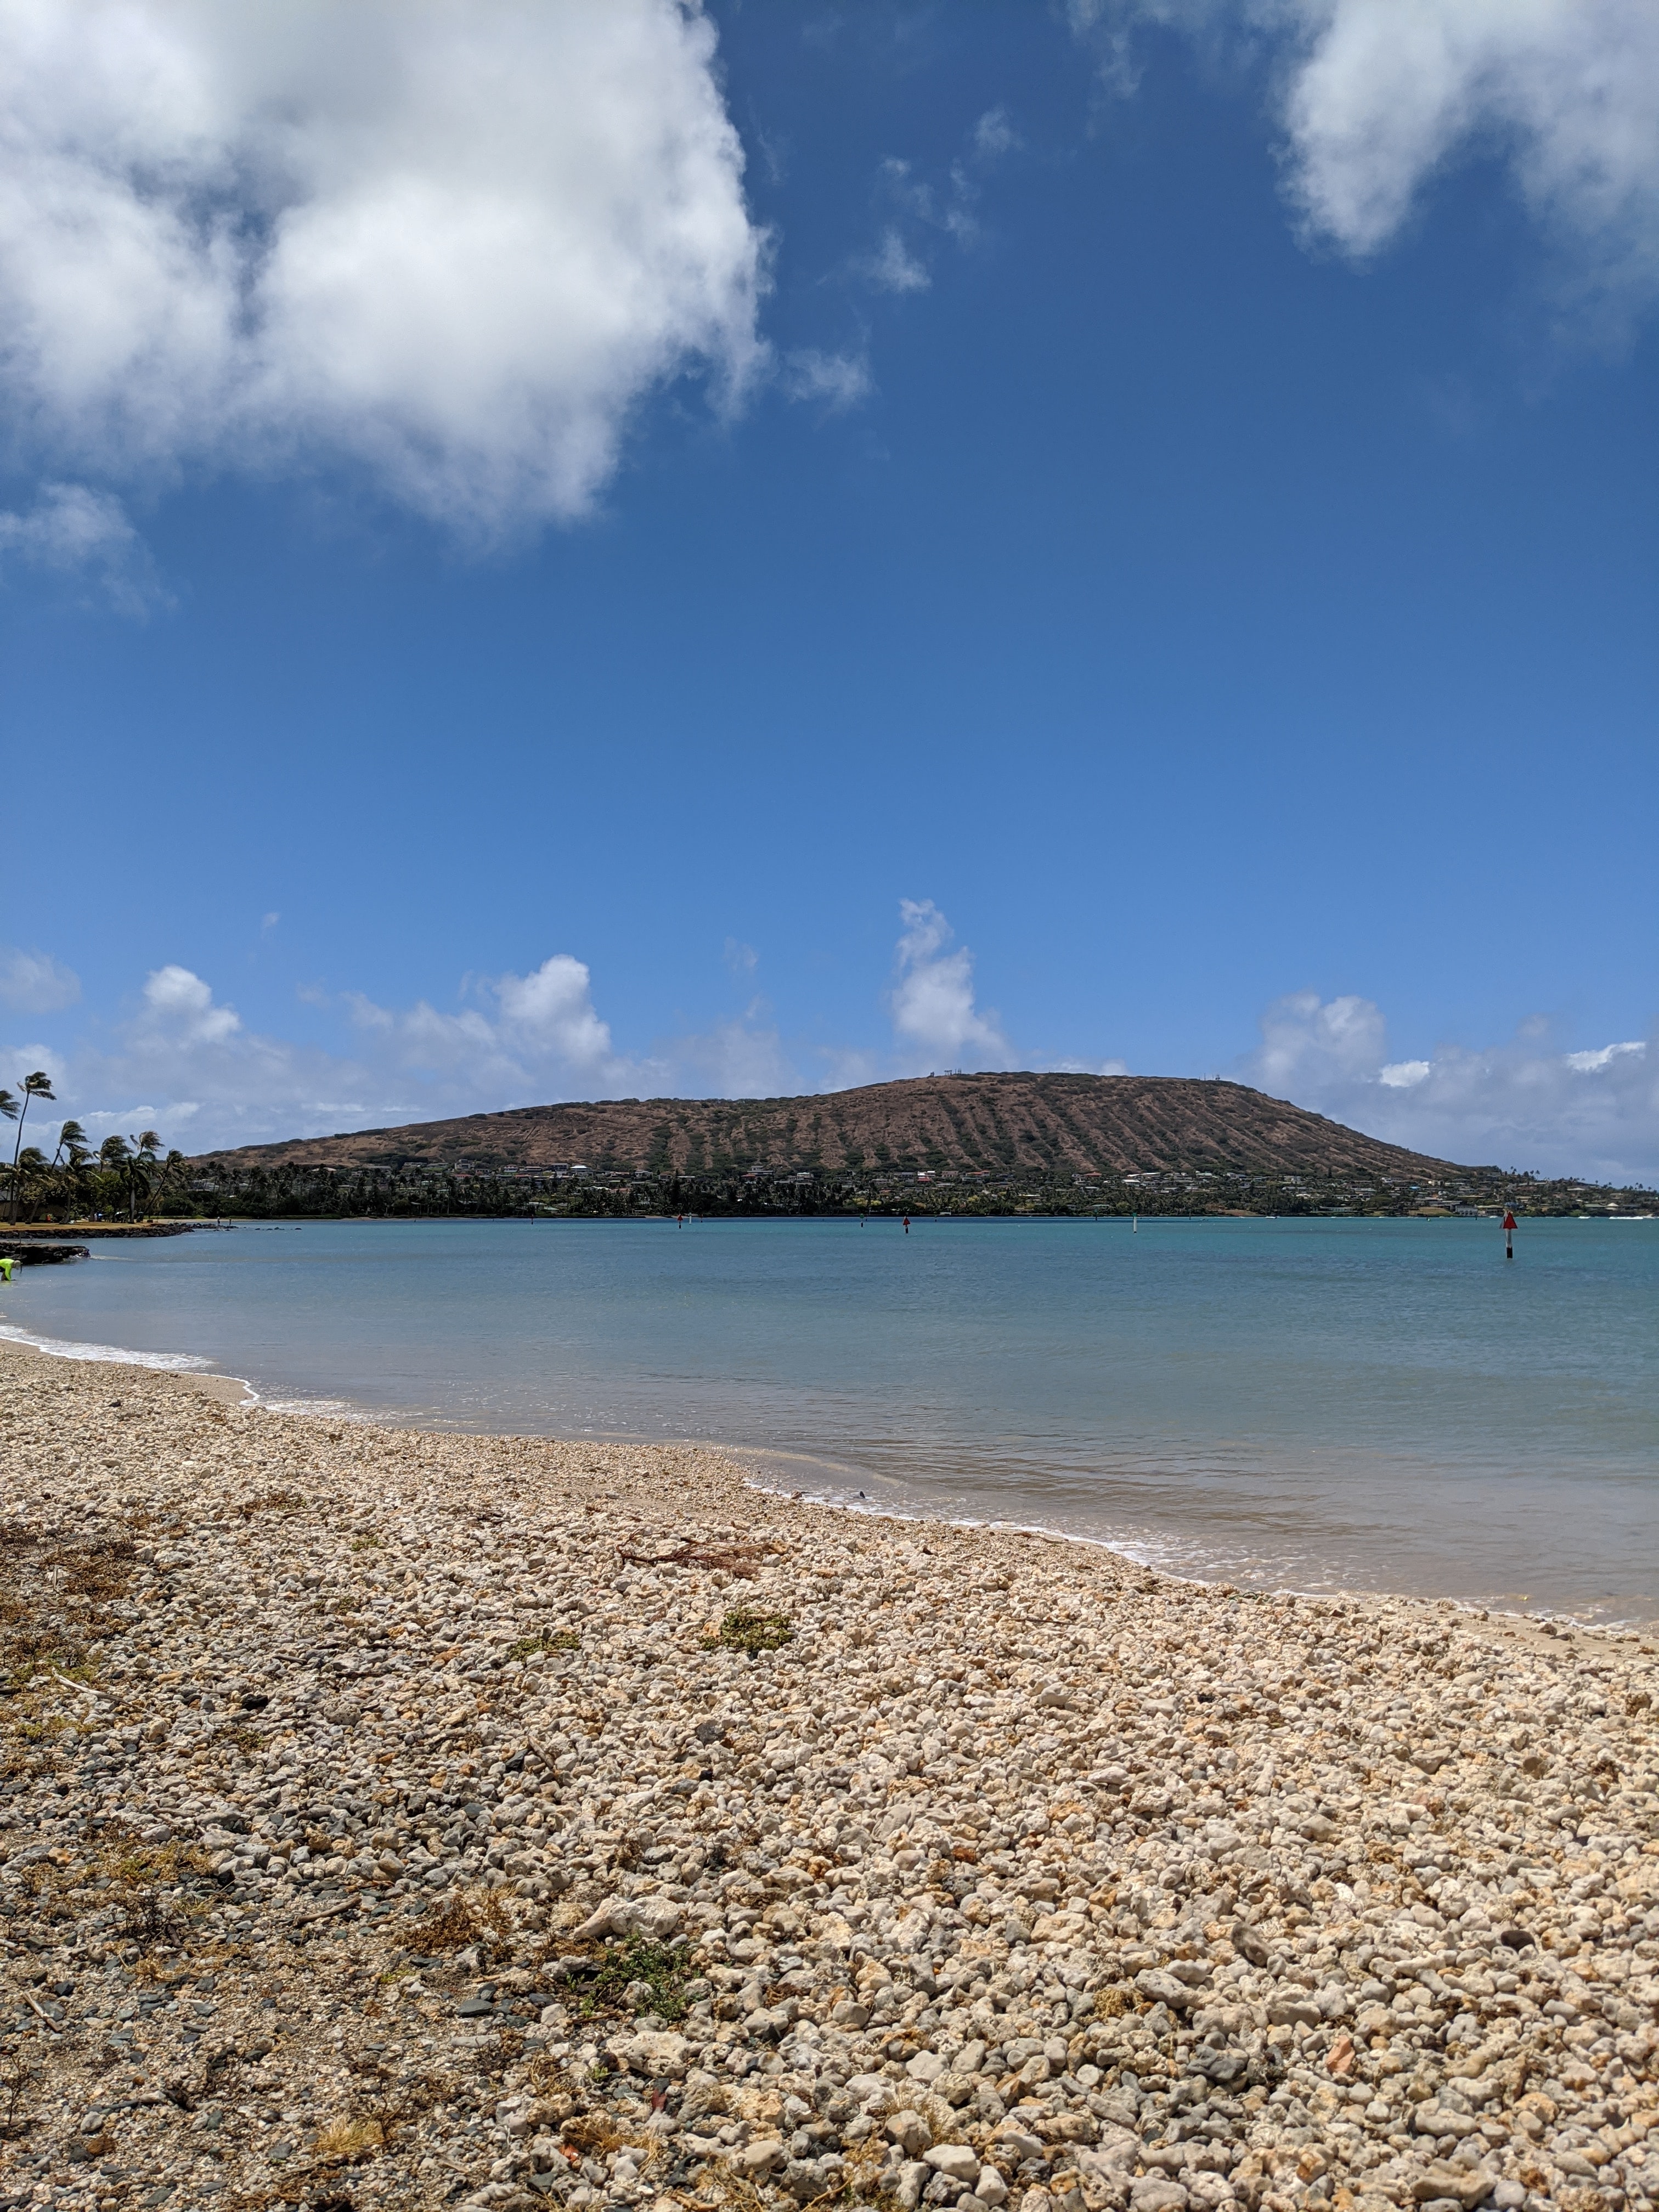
999 1124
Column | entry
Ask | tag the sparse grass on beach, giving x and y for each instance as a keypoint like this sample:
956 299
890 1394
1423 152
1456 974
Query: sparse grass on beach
745 1629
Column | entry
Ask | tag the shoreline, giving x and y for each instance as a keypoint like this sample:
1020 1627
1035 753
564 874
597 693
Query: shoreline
361 1782
199 1373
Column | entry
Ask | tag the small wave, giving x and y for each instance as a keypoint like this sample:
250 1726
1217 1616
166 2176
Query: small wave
337 1409
113 1355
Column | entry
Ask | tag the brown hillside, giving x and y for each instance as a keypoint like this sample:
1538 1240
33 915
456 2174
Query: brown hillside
1003 1123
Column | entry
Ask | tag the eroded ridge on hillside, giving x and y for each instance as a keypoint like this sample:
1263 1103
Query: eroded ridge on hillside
992 1123
403 1820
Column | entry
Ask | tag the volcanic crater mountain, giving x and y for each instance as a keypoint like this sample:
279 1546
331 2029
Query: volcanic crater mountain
995 1124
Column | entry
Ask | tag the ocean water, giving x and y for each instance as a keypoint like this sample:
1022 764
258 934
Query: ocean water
1369 1404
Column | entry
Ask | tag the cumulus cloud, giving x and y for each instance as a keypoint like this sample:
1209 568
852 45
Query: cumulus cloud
35 983
454 245
1377 98
179 1007
519 1032
204 1079
1404 1074
1342 1039
932 1001
1522 1103
72 531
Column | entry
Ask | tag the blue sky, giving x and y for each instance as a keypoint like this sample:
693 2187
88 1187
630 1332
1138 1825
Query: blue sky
567 550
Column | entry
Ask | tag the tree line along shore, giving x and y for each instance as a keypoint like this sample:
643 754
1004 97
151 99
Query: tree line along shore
178 1192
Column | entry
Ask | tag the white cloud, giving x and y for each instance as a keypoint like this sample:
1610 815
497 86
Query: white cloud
550 1014
522 1034
1520 1104
179 1007
35 983
1591 1063
835 381
1404 1074
894 268
453 244
933 999
1378 97
72 531
847 1067
994 135
736 1060
209 1080
1341 1040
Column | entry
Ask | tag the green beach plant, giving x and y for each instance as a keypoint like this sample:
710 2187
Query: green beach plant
745 1629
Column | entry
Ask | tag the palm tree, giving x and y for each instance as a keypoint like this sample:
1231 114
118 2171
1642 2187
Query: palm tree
38 1085
146 1151
68 1161
30 1168
112 1156
71 1139
173 1168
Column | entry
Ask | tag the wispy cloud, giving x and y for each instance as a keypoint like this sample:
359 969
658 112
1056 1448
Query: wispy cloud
1522 1103
453 247
743 1058
35 983
834 381
893 267
923 208
934 1012
993 135
85 535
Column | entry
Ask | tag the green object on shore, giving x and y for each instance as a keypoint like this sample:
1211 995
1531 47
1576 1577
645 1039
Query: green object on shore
664 1973
745 1630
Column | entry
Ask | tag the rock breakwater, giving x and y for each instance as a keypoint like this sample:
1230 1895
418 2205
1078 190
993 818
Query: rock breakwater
406 1819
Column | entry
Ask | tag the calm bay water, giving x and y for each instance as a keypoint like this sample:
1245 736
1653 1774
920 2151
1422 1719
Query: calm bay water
1358 1404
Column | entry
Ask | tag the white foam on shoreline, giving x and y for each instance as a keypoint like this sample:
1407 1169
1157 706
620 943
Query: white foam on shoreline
314 1409
113 1355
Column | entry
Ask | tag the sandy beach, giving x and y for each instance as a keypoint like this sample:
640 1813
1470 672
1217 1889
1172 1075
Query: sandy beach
393 1819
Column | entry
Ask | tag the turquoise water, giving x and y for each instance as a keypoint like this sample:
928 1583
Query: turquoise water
1360 1404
